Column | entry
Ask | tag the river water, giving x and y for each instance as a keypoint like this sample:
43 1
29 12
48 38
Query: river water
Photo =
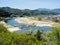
25 27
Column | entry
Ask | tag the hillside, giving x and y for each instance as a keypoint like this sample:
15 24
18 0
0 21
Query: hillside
28 12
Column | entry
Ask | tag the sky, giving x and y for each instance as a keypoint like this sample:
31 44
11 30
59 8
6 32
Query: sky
30 4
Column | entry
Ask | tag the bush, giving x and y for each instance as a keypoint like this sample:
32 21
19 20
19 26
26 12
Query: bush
56 35
39 18
38 35
8 38
56 20
2 28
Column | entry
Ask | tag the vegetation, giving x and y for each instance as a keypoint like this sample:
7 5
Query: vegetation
38 18
7 12
8 38
4 13
56 20
29 38
2 19
33 24
38 35
56 34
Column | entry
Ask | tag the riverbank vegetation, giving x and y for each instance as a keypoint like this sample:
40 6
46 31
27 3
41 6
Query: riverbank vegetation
38 38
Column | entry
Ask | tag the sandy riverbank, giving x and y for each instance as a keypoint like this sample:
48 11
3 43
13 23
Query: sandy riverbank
30 21
9 27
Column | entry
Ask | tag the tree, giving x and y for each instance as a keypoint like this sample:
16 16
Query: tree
4 13
56 34
38 35
39 18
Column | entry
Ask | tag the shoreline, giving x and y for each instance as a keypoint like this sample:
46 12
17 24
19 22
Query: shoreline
27 21
30 22
9 27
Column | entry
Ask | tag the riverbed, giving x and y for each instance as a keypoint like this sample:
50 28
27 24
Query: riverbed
24 27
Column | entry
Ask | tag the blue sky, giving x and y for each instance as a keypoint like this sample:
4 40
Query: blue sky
30 4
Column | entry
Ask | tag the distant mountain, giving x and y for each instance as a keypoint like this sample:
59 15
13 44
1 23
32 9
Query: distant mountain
50 10
56 10
28 12
43 9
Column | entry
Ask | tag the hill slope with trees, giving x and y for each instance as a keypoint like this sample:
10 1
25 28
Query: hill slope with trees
28 12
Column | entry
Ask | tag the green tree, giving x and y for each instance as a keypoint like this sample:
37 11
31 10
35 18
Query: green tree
38 35
56 34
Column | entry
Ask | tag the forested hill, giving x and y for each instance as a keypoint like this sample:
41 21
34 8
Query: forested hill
28 12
